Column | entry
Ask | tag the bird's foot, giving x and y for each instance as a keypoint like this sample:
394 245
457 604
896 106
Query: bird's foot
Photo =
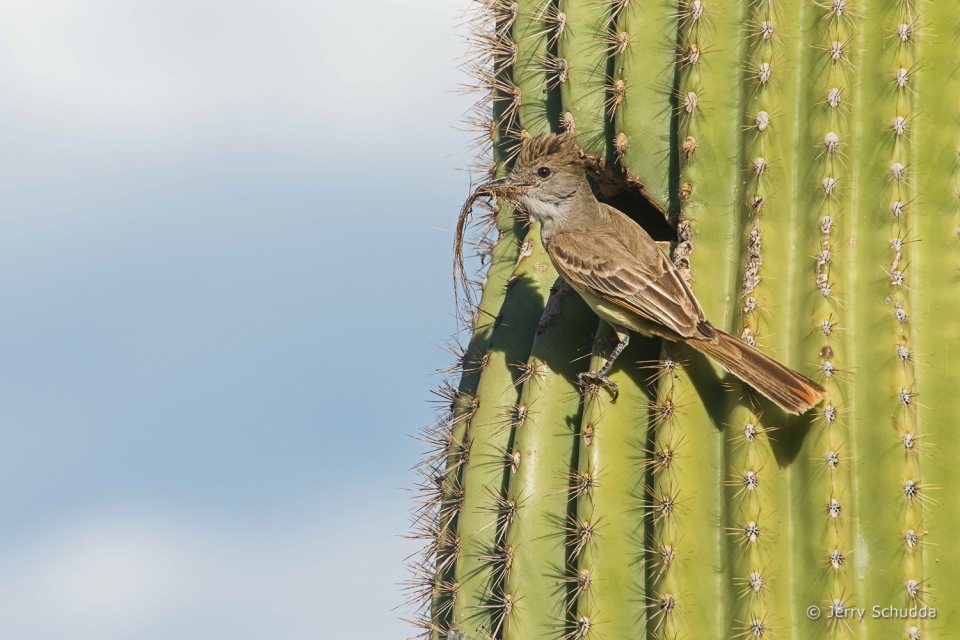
597 379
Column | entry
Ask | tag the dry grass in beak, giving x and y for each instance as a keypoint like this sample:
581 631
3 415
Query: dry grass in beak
493 189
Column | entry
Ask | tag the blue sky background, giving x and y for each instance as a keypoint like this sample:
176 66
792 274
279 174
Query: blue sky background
224 259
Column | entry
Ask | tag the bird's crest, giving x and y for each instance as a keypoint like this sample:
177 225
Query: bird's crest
555 149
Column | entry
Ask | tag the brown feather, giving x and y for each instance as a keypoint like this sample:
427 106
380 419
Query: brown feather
619 262
560 148
790 390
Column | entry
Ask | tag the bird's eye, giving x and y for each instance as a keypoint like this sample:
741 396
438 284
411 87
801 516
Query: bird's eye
543 172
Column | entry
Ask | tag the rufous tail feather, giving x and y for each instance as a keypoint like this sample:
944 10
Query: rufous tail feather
790 390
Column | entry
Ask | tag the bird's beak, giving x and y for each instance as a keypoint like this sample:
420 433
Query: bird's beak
504 187
498 184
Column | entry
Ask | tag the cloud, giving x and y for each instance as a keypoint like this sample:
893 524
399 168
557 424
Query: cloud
115 67
145 575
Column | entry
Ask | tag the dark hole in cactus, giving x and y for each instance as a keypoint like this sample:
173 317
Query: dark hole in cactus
614 187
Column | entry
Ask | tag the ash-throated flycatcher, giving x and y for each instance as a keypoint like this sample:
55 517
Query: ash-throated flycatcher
624 276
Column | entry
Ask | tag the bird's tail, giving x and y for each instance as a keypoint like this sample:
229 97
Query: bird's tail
792 391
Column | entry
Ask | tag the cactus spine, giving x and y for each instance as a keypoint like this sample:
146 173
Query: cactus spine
809 156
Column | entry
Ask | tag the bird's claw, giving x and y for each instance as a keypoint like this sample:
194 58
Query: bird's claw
593 377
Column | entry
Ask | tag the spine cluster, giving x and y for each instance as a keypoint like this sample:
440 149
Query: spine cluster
596 487
433 590
902 188
833 55
751 486
762 72
693 20
664 502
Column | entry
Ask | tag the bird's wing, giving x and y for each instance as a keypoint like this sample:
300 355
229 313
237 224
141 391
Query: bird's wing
642 281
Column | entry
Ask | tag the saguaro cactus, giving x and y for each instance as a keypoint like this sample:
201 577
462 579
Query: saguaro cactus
803 161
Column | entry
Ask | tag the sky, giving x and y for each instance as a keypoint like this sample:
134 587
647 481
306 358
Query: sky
225 241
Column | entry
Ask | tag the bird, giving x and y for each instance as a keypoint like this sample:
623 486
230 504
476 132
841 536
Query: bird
624 276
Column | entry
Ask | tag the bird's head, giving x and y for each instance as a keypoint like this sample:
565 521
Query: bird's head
547 179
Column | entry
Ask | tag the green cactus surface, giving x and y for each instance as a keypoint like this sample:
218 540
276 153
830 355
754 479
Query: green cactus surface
801 165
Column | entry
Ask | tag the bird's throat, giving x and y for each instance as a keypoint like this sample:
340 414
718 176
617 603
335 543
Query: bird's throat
546 209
